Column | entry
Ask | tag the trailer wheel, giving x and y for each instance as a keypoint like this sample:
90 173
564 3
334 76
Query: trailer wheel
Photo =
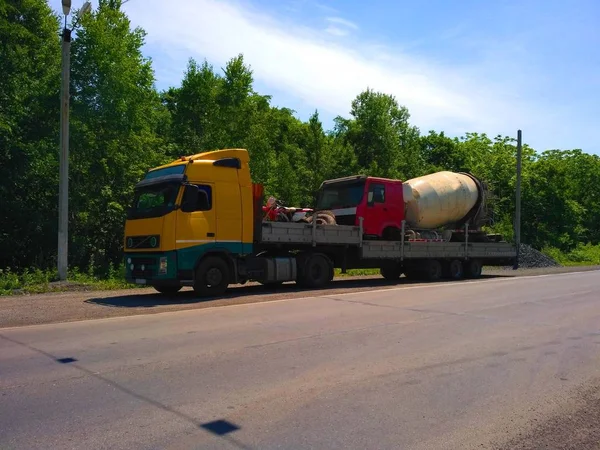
168 290
432 269
212 277
454 270
391 272
474 268
316 271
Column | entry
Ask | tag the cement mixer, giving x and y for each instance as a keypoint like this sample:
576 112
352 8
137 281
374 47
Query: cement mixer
443 198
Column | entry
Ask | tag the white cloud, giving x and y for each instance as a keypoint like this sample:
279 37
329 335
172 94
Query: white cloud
309 65
343 22
335 31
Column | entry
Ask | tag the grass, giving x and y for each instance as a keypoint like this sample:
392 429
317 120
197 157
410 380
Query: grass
37 281
357 272
582 255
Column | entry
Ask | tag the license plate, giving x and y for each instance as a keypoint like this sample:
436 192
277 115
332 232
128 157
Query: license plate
140 281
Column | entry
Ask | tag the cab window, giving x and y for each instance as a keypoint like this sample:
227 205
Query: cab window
202 204
376 194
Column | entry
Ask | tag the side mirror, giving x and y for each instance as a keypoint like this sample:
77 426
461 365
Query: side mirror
190 198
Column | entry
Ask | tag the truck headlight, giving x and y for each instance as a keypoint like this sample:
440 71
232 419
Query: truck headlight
162 268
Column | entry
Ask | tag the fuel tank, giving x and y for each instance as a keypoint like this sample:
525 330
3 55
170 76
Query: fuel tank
440 199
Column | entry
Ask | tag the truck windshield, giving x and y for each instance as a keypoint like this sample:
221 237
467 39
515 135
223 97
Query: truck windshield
155 195
342 195
154 200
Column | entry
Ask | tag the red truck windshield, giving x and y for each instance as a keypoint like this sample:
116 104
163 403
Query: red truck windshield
341 195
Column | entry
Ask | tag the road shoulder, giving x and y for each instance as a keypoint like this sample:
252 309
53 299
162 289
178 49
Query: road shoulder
22 310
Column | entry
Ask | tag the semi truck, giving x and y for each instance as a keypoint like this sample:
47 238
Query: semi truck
198 221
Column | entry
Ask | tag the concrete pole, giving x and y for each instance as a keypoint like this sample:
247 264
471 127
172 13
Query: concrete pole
518 200
63 184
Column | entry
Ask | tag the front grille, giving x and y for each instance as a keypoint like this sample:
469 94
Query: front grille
146 261
139 242
139 273
135 267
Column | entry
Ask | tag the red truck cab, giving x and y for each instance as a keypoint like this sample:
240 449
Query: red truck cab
379 201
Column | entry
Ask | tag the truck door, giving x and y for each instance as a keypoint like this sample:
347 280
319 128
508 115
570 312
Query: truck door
377 211
228 202
195 230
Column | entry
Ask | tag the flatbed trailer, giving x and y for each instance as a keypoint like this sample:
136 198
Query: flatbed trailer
297 245
199 222
300 235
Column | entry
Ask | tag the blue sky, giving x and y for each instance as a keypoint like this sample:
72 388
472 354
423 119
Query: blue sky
459 66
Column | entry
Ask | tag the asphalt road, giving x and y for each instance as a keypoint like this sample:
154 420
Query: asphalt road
502 363
17 310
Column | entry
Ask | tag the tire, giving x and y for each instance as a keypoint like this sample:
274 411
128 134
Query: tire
168 290
316 271
322 218
432 270
473 268
212 277
455 270
391 272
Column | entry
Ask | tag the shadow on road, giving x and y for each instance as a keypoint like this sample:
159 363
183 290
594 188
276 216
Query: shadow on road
221 427
153 299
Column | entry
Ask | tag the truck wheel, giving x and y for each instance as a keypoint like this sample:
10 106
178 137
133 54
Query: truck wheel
432 270
455 270
212 277
391 272
167 289
316 272
474 268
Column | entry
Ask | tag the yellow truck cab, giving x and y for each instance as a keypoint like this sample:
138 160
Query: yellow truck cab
188 209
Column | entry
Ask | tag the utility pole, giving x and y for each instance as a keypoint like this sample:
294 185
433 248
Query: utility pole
63 171
63 184
518 200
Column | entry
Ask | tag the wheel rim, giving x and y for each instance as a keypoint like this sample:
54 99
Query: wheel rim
214 277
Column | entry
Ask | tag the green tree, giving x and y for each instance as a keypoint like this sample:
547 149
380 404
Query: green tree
440 152
116 113
195 109
381 136
29 113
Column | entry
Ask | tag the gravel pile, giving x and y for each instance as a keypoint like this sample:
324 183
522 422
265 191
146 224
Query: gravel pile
530 258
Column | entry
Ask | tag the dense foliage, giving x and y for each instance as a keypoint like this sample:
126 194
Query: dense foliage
121 126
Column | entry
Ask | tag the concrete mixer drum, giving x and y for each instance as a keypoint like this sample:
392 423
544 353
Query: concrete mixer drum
442 199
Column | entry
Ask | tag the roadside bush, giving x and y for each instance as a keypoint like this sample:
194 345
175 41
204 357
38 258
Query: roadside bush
582 255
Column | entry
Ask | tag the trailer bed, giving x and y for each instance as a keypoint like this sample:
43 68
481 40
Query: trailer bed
351 236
